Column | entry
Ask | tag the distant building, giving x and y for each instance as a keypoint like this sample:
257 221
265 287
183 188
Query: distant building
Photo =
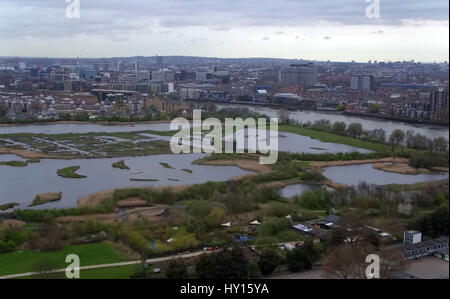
354 82
304 75
437 247
364 82
201 76
367 83
163 75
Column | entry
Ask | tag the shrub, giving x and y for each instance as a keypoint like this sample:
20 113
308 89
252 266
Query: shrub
177 269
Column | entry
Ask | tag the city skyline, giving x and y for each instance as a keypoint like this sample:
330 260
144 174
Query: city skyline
336 31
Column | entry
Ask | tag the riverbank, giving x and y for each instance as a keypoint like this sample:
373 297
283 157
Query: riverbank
404 168
106 123
319 165
391 118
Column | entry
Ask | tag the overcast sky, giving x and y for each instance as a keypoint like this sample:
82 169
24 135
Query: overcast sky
335 30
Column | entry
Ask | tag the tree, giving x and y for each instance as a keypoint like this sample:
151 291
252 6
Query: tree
391 261
421 142
439 145
253 270
434 224
397 137
355 130
226 264
215 217
176 270
378 135
283 116
3 110
372 238
346 261
339 127
340 107
302 258
268 261
322 124
409 138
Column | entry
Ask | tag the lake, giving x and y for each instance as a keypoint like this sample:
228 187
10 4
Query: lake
354 174
22 184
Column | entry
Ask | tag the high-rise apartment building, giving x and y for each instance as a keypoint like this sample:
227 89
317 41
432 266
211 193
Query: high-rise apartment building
304 75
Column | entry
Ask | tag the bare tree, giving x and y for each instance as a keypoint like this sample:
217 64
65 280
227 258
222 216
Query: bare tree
283 115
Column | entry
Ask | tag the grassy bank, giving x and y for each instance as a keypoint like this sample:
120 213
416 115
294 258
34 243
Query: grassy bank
70 172
8 206
14 163
44 198
120 164
334 138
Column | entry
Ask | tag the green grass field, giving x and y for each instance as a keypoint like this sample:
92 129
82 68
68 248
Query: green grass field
122 272
334 138
90 254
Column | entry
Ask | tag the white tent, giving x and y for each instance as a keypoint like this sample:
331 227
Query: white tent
256 222
228 224
170 240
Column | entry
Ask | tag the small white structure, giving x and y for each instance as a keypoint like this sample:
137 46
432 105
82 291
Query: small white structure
228 224
256 222
412 237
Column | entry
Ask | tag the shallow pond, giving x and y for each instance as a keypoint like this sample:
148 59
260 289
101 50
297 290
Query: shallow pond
22 184
354 174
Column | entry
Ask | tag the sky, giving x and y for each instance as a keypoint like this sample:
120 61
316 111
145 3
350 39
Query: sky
336 30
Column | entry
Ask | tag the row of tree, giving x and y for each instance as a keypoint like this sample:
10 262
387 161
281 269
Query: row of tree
397 138
233 263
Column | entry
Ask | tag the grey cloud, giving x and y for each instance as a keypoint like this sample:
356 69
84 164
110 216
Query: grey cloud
112 18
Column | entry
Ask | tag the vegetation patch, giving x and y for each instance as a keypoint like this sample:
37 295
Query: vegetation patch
8 206
166 165
120 164
143 180
34 160
70 172
44 198
334 138
187 170
14 163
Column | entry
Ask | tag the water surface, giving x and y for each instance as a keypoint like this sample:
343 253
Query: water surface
22 184
354 174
